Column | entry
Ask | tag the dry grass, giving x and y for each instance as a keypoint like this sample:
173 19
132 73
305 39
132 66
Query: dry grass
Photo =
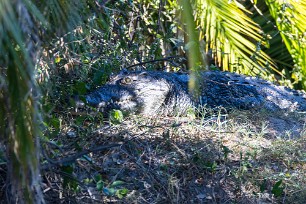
219 158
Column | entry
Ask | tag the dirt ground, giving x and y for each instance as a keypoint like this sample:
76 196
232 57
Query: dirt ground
241 157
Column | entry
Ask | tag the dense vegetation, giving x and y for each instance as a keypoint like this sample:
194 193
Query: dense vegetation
52 51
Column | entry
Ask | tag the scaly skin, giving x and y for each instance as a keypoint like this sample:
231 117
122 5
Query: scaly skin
153 92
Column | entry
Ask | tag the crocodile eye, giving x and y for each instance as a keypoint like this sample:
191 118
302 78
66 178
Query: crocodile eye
126 80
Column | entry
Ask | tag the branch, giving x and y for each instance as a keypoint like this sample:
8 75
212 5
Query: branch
152 61
76 156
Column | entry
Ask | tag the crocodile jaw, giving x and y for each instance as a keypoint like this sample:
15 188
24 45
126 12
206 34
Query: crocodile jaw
111 97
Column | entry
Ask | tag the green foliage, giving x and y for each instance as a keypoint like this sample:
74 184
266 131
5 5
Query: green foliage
80 88
211 166
114 189
18 97
68 179
231 37
121 193
83 42
226 151
116 117
100 185
129 32
206 164
238 40
277 190
291 22
263 186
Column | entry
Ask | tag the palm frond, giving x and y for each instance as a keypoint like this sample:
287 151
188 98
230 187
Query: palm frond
62 15
21 23
19 107
290 19
233 37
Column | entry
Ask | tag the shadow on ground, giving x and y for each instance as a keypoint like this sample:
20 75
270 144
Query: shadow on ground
180 160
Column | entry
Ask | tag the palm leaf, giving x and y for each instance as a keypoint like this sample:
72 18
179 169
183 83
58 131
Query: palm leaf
290 19
20 22
18 104
62 15
233 37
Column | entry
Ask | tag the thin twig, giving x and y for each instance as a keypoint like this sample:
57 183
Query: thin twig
76 156
152 61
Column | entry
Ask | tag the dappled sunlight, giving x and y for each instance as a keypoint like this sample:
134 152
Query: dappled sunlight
222 157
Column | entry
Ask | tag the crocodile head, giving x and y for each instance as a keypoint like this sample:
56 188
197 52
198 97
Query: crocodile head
136 92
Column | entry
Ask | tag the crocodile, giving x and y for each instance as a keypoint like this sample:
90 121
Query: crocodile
157 92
